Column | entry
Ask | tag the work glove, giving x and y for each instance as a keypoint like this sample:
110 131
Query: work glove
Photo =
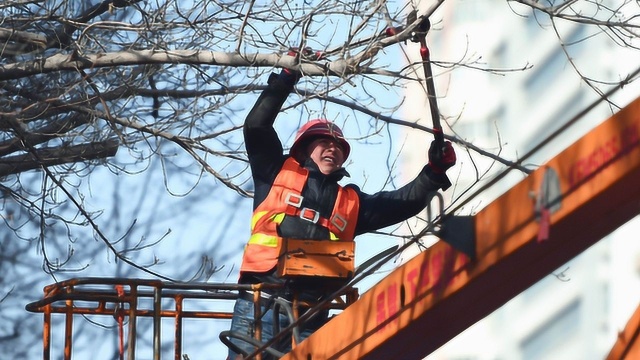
441 161
292 76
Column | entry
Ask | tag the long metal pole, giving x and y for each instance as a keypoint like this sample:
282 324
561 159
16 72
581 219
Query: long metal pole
157 304
431 89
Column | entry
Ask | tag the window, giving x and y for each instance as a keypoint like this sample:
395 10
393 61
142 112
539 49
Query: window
545 74
560 117
555 335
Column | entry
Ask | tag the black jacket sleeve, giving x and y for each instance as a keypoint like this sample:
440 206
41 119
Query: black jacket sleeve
386 208
263 146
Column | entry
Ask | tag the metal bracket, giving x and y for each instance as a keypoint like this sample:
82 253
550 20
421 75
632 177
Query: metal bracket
459 232
421 30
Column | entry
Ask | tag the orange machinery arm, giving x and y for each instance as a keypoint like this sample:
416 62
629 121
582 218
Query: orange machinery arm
436 295
627 347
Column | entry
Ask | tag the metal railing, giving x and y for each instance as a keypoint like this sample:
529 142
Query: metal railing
121 298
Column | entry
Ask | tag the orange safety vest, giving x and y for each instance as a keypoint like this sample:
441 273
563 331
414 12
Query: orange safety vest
285 198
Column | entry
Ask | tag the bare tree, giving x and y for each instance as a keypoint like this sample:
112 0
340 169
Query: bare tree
167 79
96 91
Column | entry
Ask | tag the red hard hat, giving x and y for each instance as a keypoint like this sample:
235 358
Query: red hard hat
315 129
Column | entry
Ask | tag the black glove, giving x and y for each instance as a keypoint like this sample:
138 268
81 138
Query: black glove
441 161
290 77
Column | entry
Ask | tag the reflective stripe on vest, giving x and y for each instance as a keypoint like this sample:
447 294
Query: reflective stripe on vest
284 198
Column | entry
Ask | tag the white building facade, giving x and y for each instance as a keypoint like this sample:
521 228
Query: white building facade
516 88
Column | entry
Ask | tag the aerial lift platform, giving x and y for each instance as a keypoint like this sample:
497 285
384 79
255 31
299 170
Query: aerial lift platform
556 212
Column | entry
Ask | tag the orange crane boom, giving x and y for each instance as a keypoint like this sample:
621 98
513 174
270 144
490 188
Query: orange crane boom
568 204
627 346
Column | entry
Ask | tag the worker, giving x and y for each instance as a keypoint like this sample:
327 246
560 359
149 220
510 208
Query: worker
315 163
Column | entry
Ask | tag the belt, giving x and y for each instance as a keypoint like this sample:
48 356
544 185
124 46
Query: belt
247 295
266 299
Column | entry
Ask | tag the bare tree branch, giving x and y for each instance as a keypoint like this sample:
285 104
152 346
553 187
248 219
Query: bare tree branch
45 157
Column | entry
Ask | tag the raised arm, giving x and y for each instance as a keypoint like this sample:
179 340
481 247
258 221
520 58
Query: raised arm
261 140
263 146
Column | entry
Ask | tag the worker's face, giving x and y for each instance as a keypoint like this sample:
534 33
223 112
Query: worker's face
327 154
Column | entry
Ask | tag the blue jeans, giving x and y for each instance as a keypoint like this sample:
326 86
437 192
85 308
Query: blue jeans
242 323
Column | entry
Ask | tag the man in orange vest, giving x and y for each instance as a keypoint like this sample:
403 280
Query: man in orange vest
297 196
